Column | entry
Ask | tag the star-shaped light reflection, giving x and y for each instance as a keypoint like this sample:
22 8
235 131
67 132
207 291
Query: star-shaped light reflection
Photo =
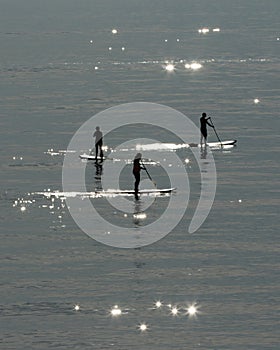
77 307
143 327
174 311
158 304
192 310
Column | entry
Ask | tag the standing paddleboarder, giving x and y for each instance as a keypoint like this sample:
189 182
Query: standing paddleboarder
98 143
136 172
203 128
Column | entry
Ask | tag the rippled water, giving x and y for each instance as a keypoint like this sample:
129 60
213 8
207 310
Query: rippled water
56 72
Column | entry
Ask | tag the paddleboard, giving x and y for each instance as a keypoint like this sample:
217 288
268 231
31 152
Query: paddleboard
215 144
109 192
145 191
91 157
127 161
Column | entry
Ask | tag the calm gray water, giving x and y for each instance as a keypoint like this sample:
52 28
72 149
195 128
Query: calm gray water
56 72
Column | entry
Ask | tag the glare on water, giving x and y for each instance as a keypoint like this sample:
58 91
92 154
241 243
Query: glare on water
116 311
143 327
169 67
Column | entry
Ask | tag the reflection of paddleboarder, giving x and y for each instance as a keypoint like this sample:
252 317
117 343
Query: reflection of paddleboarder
203 128
98 142
99 170
98 176
136 172
203 153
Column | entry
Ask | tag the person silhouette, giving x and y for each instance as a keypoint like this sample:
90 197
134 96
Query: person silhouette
136 172
98 143
203 128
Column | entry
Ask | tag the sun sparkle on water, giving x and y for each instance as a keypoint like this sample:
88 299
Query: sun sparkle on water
143 327
193 66
203 30
140 216
158 304
192 310
116 311
174 311
170 67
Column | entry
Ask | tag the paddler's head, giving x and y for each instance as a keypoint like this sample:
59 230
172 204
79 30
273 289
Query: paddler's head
138 156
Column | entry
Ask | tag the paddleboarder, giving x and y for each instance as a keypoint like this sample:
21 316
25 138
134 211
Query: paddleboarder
204 121
136 172
98 143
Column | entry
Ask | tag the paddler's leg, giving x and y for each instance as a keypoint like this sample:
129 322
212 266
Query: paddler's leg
136 185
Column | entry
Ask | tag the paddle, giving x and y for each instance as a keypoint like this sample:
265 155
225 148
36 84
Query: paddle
143 165
216 133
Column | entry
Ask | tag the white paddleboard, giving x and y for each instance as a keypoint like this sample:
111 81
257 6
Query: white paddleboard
91 157
215 144
104 193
